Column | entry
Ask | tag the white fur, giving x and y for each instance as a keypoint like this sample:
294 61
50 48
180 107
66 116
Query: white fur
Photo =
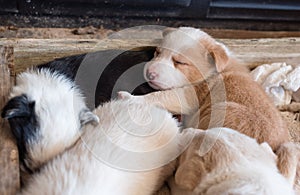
128 152
243 167
175 42
184 41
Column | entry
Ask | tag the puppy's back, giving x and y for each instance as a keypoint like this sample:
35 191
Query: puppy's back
245 108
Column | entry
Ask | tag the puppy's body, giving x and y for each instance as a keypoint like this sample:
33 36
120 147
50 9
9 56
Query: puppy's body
246 108
203 81
128 152
88 167
211 87
236 164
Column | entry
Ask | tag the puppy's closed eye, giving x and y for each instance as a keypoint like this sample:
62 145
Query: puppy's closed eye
179 62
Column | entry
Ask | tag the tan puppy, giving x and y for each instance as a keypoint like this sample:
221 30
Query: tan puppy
222 94
236 164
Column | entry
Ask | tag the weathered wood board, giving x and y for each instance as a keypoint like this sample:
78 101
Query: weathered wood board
9 160
253 52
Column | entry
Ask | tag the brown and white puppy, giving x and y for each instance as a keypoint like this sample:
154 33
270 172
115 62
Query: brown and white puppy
236 164
202 80
222 93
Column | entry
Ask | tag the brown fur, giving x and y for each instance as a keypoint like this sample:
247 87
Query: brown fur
223 93
246 107
222 168
288 163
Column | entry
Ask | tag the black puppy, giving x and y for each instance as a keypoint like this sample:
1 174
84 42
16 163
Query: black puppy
107 67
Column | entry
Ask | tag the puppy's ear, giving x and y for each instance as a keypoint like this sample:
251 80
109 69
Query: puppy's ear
24 125
219 55
86 117
217 52
190 173
168 30
18 106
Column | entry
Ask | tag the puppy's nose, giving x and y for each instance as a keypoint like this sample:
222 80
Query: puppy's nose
151 75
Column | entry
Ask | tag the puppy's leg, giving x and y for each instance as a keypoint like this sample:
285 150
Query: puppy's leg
177 101
288 161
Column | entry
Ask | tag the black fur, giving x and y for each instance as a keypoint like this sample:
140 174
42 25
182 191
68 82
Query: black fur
127 59
116 68
23 122
67 66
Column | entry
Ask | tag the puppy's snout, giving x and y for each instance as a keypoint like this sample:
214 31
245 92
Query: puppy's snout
151 75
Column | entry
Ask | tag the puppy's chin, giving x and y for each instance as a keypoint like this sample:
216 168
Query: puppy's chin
156 85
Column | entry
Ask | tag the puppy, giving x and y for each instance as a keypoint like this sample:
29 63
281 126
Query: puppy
122 148
107 67
235 164
203 81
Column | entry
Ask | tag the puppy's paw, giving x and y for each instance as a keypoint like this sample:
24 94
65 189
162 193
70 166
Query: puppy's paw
124 95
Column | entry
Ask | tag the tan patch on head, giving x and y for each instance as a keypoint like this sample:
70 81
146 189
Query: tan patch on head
186 55
187 68
198 60
217 52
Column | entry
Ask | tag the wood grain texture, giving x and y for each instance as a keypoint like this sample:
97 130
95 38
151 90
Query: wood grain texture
253 52
9 160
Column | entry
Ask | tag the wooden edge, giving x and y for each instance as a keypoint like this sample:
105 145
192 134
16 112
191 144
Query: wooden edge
253 52
9 159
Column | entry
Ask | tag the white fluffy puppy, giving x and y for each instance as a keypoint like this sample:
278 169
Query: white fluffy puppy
121 148
235 164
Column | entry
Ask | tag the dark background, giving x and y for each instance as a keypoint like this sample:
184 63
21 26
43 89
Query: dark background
231 14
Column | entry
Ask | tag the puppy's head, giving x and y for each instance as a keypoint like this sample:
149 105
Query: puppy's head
186 55
45 113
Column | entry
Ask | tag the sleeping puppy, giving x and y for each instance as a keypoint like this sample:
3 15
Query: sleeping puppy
110 71
107 66
203 81
236 164
122 148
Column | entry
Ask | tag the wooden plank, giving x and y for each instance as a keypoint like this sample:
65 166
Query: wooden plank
9 160
90 32
249 34
253 52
